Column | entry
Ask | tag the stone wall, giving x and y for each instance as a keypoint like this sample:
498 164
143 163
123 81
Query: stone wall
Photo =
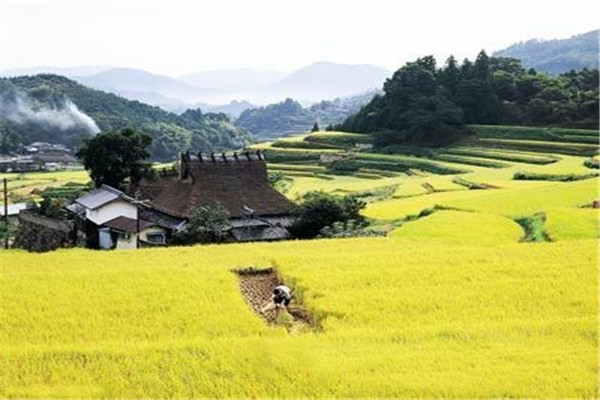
38 233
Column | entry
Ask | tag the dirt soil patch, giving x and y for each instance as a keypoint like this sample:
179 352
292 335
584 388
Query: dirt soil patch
257 284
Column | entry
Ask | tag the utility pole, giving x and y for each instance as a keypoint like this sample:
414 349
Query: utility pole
6 212
137 228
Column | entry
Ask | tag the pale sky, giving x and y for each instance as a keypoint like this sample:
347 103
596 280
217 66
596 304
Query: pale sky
178 37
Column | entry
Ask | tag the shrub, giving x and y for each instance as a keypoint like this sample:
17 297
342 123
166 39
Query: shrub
207 225
350 228
278 181
319 209
531 176
592 163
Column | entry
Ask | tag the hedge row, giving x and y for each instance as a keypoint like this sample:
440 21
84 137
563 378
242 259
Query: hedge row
470 161
536 133
576 149
532 176
505 156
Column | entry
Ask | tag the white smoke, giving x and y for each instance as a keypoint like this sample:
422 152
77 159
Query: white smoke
65 116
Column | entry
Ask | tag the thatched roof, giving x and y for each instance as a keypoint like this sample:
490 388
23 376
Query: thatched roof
237 183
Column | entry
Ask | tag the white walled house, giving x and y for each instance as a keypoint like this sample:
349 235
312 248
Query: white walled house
107 203
126 230
111 220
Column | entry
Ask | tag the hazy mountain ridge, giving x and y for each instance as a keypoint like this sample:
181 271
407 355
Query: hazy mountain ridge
134 80
326 80
558 55
218 88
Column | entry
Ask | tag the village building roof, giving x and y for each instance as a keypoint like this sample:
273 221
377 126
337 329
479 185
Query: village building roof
239 183
128 225
161 219
76 208
255 233
102 196
15 208
50 223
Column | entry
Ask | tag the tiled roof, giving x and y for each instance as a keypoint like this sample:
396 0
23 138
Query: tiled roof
76 208
234 184
99 197
161 219
14 209
129 225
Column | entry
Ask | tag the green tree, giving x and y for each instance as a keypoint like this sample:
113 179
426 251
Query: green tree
206 225
113 158
6 231
315 127
415 109
319 209
450 76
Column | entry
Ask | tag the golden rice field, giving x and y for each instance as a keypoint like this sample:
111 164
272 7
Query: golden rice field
25 185
573 223
462 227
451 304
401 318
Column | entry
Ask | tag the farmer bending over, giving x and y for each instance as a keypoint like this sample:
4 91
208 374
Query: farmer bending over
281 297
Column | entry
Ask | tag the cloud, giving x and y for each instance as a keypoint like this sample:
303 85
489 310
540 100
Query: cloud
21 109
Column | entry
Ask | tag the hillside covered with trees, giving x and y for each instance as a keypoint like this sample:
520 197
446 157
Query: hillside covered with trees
424 104
289 116
55 109
557 56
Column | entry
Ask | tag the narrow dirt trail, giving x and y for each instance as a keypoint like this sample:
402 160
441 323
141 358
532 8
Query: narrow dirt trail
257 286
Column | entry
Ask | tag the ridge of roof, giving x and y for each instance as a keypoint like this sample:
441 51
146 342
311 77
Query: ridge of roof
103 195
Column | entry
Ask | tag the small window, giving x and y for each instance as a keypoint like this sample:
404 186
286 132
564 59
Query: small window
156 237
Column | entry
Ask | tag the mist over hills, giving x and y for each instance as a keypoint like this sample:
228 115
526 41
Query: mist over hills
56 109
131 81
326 80
71 72
234 80
229 90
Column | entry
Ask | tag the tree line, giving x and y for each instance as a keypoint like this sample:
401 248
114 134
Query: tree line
424 104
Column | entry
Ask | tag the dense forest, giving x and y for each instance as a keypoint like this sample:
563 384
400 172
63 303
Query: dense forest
425 104
56 109
289 116
557 56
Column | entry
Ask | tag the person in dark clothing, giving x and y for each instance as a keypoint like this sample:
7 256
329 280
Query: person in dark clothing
281 298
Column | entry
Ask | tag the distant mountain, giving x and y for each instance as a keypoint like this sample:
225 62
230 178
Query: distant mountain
131 81
233 108
286 117
556 56
56 109
326 80
69 72
234 80
322 80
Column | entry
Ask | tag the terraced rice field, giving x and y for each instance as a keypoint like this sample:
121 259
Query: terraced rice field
572 223
25 186
462 227
444 180
453 303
